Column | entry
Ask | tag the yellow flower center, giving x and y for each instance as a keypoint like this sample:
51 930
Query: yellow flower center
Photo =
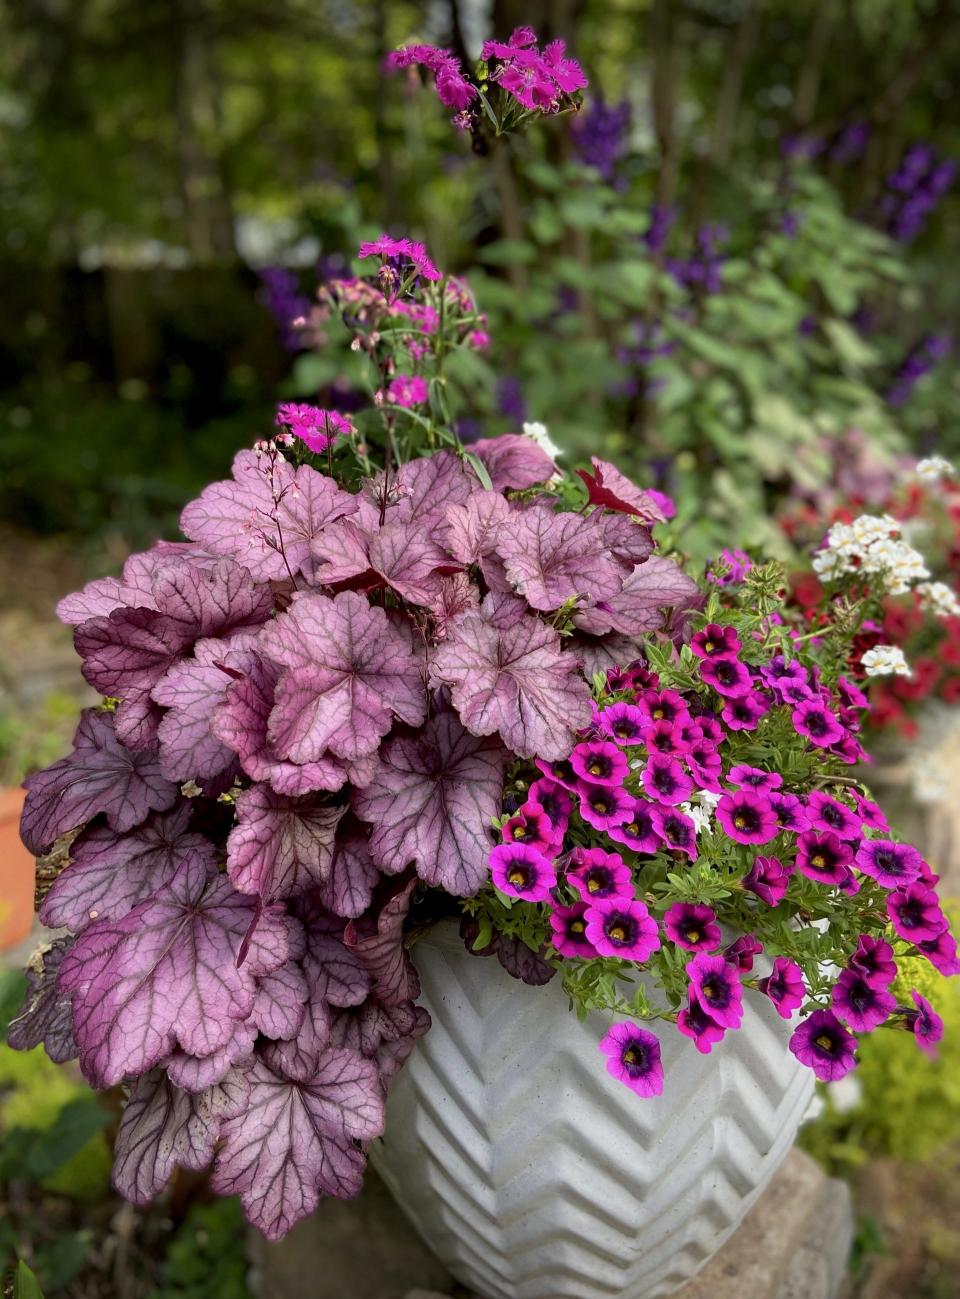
711 991
595 769
517 877
617 933
740 822
577 927
630 1056
818 860
600 807
825 1043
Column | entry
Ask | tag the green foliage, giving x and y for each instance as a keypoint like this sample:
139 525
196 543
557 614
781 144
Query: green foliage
204 1257
25 1284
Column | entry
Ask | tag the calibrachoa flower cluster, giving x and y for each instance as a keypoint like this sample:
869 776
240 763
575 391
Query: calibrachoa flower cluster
706 829
310 705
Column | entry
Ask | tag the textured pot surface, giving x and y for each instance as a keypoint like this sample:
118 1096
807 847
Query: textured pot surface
533 1174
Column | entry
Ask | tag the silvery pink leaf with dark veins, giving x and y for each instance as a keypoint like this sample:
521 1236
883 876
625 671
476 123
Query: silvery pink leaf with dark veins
600 654
280 1002
378 942
100 775
353 877
335 973
281 846
348 674
473 527
513 460
163 1128
392 1054
628 541
516 681
195 1073
363 1028
423 489
166 974
241 722
109 873
241 518
398 555
206 600
650 589
551 558
294 1141
454 595
609 488
191 691
46 1015
431 802
133 589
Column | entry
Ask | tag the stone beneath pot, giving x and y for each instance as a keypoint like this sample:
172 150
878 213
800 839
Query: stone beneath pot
793 1244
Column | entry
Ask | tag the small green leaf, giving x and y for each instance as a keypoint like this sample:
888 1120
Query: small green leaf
25 1285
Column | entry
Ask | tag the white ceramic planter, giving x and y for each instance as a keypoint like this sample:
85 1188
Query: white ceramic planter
533 1174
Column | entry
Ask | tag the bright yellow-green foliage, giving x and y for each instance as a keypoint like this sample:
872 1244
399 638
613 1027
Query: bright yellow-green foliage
909 1107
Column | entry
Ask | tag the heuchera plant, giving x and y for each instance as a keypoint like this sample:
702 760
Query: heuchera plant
310 707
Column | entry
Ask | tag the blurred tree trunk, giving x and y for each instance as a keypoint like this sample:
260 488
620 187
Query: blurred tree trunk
667 56
385 169
208 212
731 87
548 18
811 70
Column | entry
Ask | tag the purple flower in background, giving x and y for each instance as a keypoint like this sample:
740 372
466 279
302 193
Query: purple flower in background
784 986
694 1022
914 190
285 302
849 143
408 390
813 719
768 879
861 1003
926 1024
624 928
830 815
915 365
728 676
754 777
569 931
599 875
665 780
599 763
873 961
521 872
692 926
715 985
600 135
747 817
890 864
638 832
633 1057
824 858
662 219
915 913
510 400
824 1045
730 569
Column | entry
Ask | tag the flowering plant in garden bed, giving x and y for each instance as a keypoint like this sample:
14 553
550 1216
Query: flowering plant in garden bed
913 641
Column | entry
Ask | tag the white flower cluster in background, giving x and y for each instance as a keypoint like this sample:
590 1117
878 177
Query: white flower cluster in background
934 468
540 434
939 598
871 544
885 661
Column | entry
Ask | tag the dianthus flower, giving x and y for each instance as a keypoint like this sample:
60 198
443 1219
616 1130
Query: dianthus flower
824 1045
784 986
522 872
715 986
747 817
408 390
622 927
692 926
317 428
633 1058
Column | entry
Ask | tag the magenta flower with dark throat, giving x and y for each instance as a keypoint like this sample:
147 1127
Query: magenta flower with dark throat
665 738
675 829
915 913
744 712
530 826
569 931
694 1022
814 720
554 802
603 806
890 864
824 858
729 677
768 879
596 874
870 814
633 1058
790 810
754 777
624 723
715 985
926 1024
620 927
824 1045
639 832
861 1003
747 817
665 780
941 952
705 766
522 872
780 673
599 762
873 961
742 951
560 772
692 926
663 706
716 641
784 986
830 815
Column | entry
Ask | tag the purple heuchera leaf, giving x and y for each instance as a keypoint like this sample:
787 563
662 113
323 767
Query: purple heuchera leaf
134 589
473 528
241 722
335 973
242 519
163 1127
602 654
379 945
166 974
627 540
399 555
280 1002
348 673
280 846
515 680
431 802
639 607
514 461
420 494
364 1028
100 775
191 691
353 876
521 962
110 873
195 1073
551 558
294 1141
46 1015
392 1053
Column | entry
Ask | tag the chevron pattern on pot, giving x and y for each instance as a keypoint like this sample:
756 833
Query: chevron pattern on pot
533 1174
